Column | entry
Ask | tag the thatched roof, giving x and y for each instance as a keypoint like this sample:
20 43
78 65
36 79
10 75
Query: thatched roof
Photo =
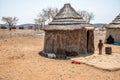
115 23
67 19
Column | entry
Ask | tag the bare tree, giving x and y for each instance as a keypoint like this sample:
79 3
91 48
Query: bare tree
10 21
48 14
86 15
39 23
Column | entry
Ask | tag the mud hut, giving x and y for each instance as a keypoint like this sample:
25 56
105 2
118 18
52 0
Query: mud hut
113 29
68 32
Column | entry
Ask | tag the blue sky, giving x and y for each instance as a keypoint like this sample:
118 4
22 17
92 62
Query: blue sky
26 10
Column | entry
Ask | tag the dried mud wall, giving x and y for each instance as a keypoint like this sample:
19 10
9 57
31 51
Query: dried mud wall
74 40
115 33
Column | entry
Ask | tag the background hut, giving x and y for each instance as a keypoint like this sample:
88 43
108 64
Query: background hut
113 29
68 32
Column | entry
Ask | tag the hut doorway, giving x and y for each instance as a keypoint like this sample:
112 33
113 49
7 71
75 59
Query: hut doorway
88 39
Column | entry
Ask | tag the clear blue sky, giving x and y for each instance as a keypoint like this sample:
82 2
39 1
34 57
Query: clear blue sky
26 10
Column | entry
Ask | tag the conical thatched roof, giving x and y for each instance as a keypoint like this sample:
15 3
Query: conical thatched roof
67 19
67 12
115 23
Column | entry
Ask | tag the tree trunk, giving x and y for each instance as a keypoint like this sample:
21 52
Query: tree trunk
10 28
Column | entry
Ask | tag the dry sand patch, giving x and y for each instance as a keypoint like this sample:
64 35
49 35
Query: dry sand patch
105 62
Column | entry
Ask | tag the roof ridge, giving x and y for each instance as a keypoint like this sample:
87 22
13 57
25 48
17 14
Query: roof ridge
67 12
67 15
116 19
115 23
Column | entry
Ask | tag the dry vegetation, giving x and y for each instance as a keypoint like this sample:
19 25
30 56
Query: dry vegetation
19 60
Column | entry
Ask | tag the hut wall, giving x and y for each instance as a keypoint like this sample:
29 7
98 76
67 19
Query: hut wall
74 40
114 32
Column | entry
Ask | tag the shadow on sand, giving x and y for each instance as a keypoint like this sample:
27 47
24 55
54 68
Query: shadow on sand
62 57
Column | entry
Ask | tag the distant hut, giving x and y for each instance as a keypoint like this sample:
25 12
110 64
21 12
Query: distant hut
113 29
68 32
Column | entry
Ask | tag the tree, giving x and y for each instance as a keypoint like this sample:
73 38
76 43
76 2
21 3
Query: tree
48 14
10 21
39 23
86 15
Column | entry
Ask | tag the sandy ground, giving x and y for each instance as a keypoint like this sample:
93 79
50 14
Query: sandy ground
19 60
104 61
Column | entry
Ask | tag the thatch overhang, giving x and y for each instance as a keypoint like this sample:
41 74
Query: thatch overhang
115 23
67 19
63 27
89 28
69 27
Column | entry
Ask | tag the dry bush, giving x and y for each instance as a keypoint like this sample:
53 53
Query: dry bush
13 27
3 27
21 27
30 27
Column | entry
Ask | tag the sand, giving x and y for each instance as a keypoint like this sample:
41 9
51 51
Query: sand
105 62
19 60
